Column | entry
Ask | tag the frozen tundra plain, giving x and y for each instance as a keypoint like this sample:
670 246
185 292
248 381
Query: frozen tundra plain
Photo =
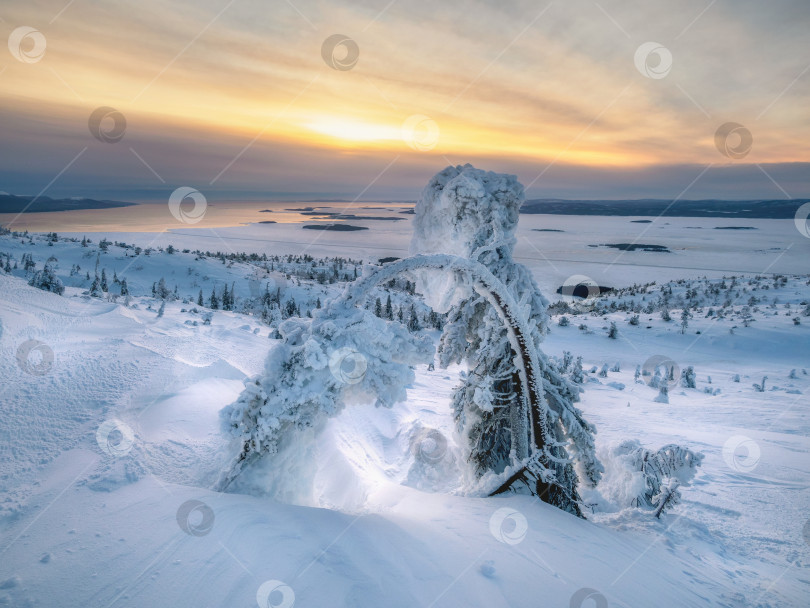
86 520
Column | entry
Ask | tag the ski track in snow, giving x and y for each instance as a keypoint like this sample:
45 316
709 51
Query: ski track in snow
82 528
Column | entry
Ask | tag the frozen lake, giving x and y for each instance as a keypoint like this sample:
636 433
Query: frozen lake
555 247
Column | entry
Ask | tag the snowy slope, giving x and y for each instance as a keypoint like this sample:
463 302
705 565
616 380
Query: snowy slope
95 523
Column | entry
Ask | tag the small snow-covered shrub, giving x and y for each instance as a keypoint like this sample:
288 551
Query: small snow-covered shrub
663 393
577 373
688 378
638 477
47 280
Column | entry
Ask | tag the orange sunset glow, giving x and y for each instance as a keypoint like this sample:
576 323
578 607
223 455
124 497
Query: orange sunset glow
551 90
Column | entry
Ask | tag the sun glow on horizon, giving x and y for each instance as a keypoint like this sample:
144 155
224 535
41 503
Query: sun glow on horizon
353 130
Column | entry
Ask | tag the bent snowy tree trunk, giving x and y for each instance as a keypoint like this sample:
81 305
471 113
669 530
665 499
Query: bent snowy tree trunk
538 439
549 464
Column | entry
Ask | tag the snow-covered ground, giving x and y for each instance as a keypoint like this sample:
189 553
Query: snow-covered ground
109 427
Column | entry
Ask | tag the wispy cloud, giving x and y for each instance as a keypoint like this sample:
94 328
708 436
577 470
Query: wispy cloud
499 91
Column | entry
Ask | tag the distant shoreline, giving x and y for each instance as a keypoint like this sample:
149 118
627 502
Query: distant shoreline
10 203
631 208
753 209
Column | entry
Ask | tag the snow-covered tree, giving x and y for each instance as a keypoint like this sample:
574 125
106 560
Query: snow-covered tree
688 378
229 297
685 316
162 291
656 380
47 280
413 320
95 288
226 298
577 373
473 214
514 409
342 354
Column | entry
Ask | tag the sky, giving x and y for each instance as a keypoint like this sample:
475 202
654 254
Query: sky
243 99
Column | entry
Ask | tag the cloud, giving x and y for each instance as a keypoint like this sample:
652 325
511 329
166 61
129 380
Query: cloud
516 85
